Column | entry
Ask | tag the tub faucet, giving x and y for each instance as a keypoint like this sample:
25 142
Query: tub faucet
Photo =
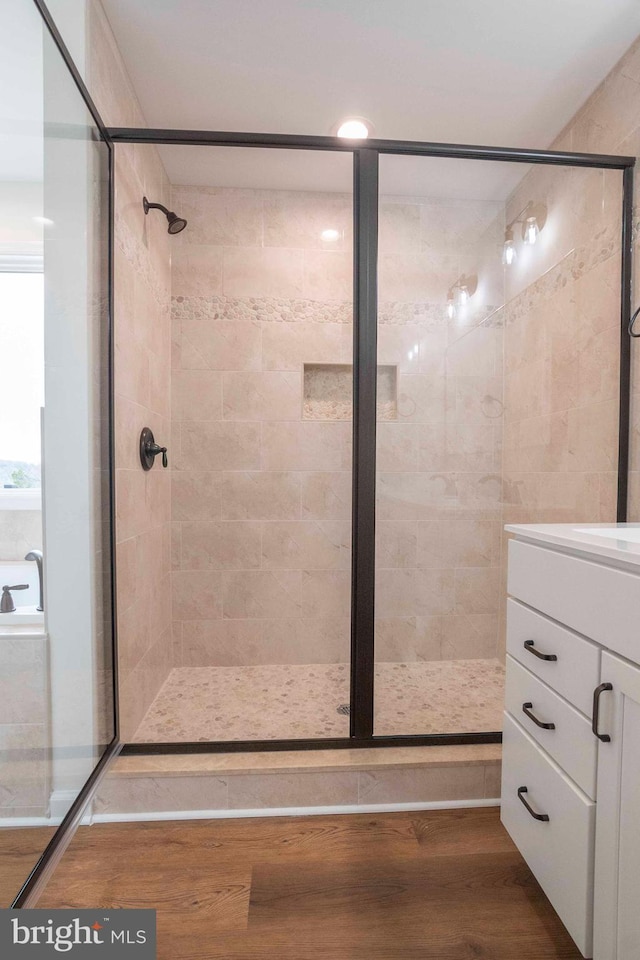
37 556
6 603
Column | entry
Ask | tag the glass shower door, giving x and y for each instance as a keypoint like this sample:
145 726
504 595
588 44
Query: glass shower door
498 332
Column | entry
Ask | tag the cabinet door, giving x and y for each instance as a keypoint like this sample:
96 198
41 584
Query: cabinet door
617 864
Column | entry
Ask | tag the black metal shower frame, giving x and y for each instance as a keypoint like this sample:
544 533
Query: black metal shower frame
366 156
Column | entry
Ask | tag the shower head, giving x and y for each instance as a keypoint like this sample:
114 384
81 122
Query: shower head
176 223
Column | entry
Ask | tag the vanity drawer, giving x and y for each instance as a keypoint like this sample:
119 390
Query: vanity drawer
570 743
559 851
576 672
599 601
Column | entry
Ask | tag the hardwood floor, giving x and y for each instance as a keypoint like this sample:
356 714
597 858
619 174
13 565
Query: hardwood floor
20 848
441 885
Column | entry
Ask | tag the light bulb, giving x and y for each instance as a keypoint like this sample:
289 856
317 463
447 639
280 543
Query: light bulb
530 231
509 253
330 235
354 129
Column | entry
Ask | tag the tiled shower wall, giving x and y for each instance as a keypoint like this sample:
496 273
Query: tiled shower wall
261 497
261 492
142 388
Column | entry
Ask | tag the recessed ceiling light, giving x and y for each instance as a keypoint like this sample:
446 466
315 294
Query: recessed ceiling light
330 235
354 128
43 221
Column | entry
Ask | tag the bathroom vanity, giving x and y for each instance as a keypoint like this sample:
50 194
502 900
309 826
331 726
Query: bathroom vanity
571 753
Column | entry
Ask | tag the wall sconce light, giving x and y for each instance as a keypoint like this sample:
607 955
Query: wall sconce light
459 293
532 218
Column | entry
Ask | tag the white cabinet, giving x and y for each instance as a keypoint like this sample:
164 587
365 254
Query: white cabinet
617 866
573 630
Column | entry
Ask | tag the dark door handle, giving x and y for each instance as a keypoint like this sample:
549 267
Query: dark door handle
596 711
526 709
536 816
528 645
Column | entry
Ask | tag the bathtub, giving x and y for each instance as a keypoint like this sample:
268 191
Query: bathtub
26 601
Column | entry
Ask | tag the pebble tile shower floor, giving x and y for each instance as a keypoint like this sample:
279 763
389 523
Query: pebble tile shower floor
286 701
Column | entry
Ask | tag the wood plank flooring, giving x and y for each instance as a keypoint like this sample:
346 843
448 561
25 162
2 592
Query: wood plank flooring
20 848
439 885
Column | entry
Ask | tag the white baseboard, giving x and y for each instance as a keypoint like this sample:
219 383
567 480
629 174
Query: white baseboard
290 811
60 801
14 822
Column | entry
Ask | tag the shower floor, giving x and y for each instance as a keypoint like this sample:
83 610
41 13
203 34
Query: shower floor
295 701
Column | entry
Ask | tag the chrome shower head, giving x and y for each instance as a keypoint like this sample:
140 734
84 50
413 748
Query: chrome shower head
176 223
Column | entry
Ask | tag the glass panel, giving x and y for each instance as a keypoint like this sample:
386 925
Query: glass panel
507 410
56 700
261 451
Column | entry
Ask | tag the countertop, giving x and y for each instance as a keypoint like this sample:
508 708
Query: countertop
622 544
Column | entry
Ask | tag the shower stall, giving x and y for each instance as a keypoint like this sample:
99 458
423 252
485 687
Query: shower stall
381 352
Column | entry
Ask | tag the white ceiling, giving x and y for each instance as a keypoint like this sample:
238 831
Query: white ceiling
467 71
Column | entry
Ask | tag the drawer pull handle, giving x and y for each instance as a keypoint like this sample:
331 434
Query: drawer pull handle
596 711
536 816
526 709
528 645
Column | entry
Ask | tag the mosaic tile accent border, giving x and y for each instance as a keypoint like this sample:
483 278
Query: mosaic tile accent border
281 310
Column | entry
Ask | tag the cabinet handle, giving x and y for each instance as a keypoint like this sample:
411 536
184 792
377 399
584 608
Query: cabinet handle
528 645
536 816
526 709
596 711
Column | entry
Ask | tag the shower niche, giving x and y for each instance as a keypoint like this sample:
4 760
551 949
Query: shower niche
328 391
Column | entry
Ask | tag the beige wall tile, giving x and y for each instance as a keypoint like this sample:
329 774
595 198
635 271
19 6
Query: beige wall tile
326 593
421 398
224 217
407 639
469 636
326 496
328 275
263 272
220 344
287 345
262 396
214 445
220 546
397 447
492 780
197 595
396 544
254 642
196 395
248 792
257 594
411 592
458 543
158 794
476 589
306 545
196 269
306 446
461 782
195 495
297 219
260 496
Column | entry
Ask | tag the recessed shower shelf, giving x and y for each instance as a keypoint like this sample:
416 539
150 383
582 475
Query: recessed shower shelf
328 392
